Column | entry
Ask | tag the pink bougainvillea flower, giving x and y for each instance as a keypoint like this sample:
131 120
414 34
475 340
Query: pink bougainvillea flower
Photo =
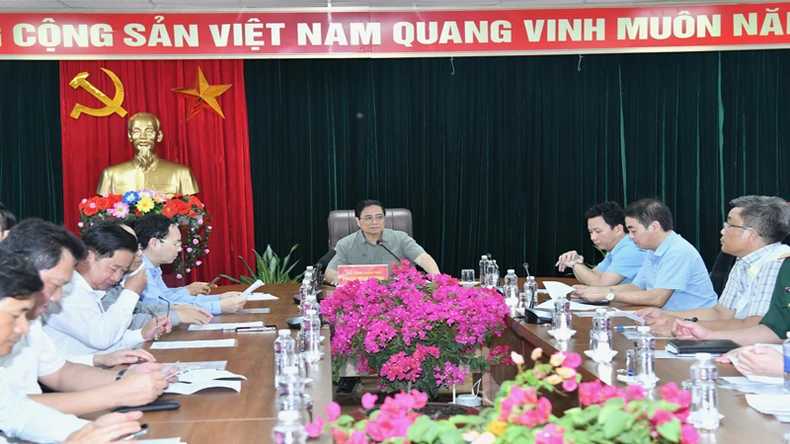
369 400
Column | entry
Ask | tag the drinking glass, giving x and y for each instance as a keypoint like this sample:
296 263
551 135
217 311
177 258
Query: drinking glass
467 275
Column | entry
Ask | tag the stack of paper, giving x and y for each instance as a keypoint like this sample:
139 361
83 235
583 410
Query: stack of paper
225 326
261 297
162 441
192 381
246 293
559 290
777 405
745 384
169 345
197 365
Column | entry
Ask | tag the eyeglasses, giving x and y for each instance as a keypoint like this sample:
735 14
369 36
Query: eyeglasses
168 305
369 219
156 321
179 245
726 226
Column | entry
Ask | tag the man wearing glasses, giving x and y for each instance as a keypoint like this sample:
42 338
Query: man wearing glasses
753 233
144 311
160 240
374 244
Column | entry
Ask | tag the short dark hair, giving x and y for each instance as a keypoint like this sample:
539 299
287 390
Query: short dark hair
42 243
7 218
611 212
769 215
153 226
18 277
646 211
367 203
105 238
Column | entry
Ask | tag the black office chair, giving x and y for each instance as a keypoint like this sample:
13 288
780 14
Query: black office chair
721 271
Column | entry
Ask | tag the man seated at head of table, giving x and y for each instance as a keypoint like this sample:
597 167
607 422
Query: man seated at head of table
54 251
160 240
20 417
673 275
362 247
78 324
753 233
773 329
606 224
178 313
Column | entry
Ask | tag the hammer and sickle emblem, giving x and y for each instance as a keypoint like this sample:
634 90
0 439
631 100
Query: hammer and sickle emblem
112 105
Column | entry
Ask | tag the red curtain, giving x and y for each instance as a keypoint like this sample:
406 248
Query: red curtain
216 149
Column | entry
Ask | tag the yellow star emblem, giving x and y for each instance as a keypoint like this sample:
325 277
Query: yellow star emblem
203 95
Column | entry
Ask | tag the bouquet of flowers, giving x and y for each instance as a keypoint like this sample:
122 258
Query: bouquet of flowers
415 332
186 211
522 414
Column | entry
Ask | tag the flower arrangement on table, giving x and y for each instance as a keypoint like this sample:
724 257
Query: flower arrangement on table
522 415
416 332
186 211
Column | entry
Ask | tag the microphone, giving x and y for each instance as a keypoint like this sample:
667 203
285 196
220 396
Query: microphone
381 244
526 267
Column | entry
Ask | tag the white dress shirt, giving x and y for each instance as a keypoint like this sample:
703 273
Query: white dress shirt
79 325
32 357
24 419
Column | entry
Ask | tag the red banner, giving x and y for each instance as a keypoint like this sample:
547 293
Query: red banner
394 33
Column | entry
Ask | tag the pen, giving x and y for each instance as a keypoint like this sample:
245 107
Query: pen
625 327
254 329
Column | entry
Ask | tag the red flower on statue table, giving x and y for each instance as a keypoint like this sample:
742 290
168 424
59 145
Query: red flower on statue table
186 211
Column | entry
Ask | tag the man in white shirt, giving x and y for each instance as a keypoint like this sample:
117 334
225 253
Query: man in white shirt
20 417
52 250
79 324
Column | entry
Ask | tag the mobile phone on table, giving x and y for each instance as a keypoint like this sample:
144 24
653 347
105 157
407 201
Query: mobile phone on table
152 407
143 431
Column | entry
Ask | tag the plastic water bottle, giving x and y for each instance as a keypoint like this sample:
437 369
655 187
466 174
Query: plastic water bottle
311 331
306 294
493 274
601 334
290 389
786 353
645 365
289 430
562 319
531 290
318 278
511 285
284 356
704 398
483 264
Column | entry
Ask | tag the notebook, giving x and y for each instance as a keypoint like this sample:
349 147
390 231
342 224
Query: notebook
712 346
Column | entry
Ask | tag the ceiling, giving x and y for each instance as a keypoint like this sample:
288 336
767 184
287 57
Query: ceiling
216 5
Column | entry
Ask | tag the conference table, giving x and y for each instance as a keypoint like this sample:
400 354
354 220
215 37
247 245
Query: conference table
221 415
740 424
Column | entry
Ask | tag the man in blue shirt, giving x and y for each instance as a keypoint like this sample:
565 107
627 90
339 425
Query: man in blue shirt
160 240
606 224
673 275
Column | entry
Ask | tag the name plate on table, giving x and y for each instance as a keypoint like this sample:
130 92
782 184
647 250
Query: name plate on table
348 273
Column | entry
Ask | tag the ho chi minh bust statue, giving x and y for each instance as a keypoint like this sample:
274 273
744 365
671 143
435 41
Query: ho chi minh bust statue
146 171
